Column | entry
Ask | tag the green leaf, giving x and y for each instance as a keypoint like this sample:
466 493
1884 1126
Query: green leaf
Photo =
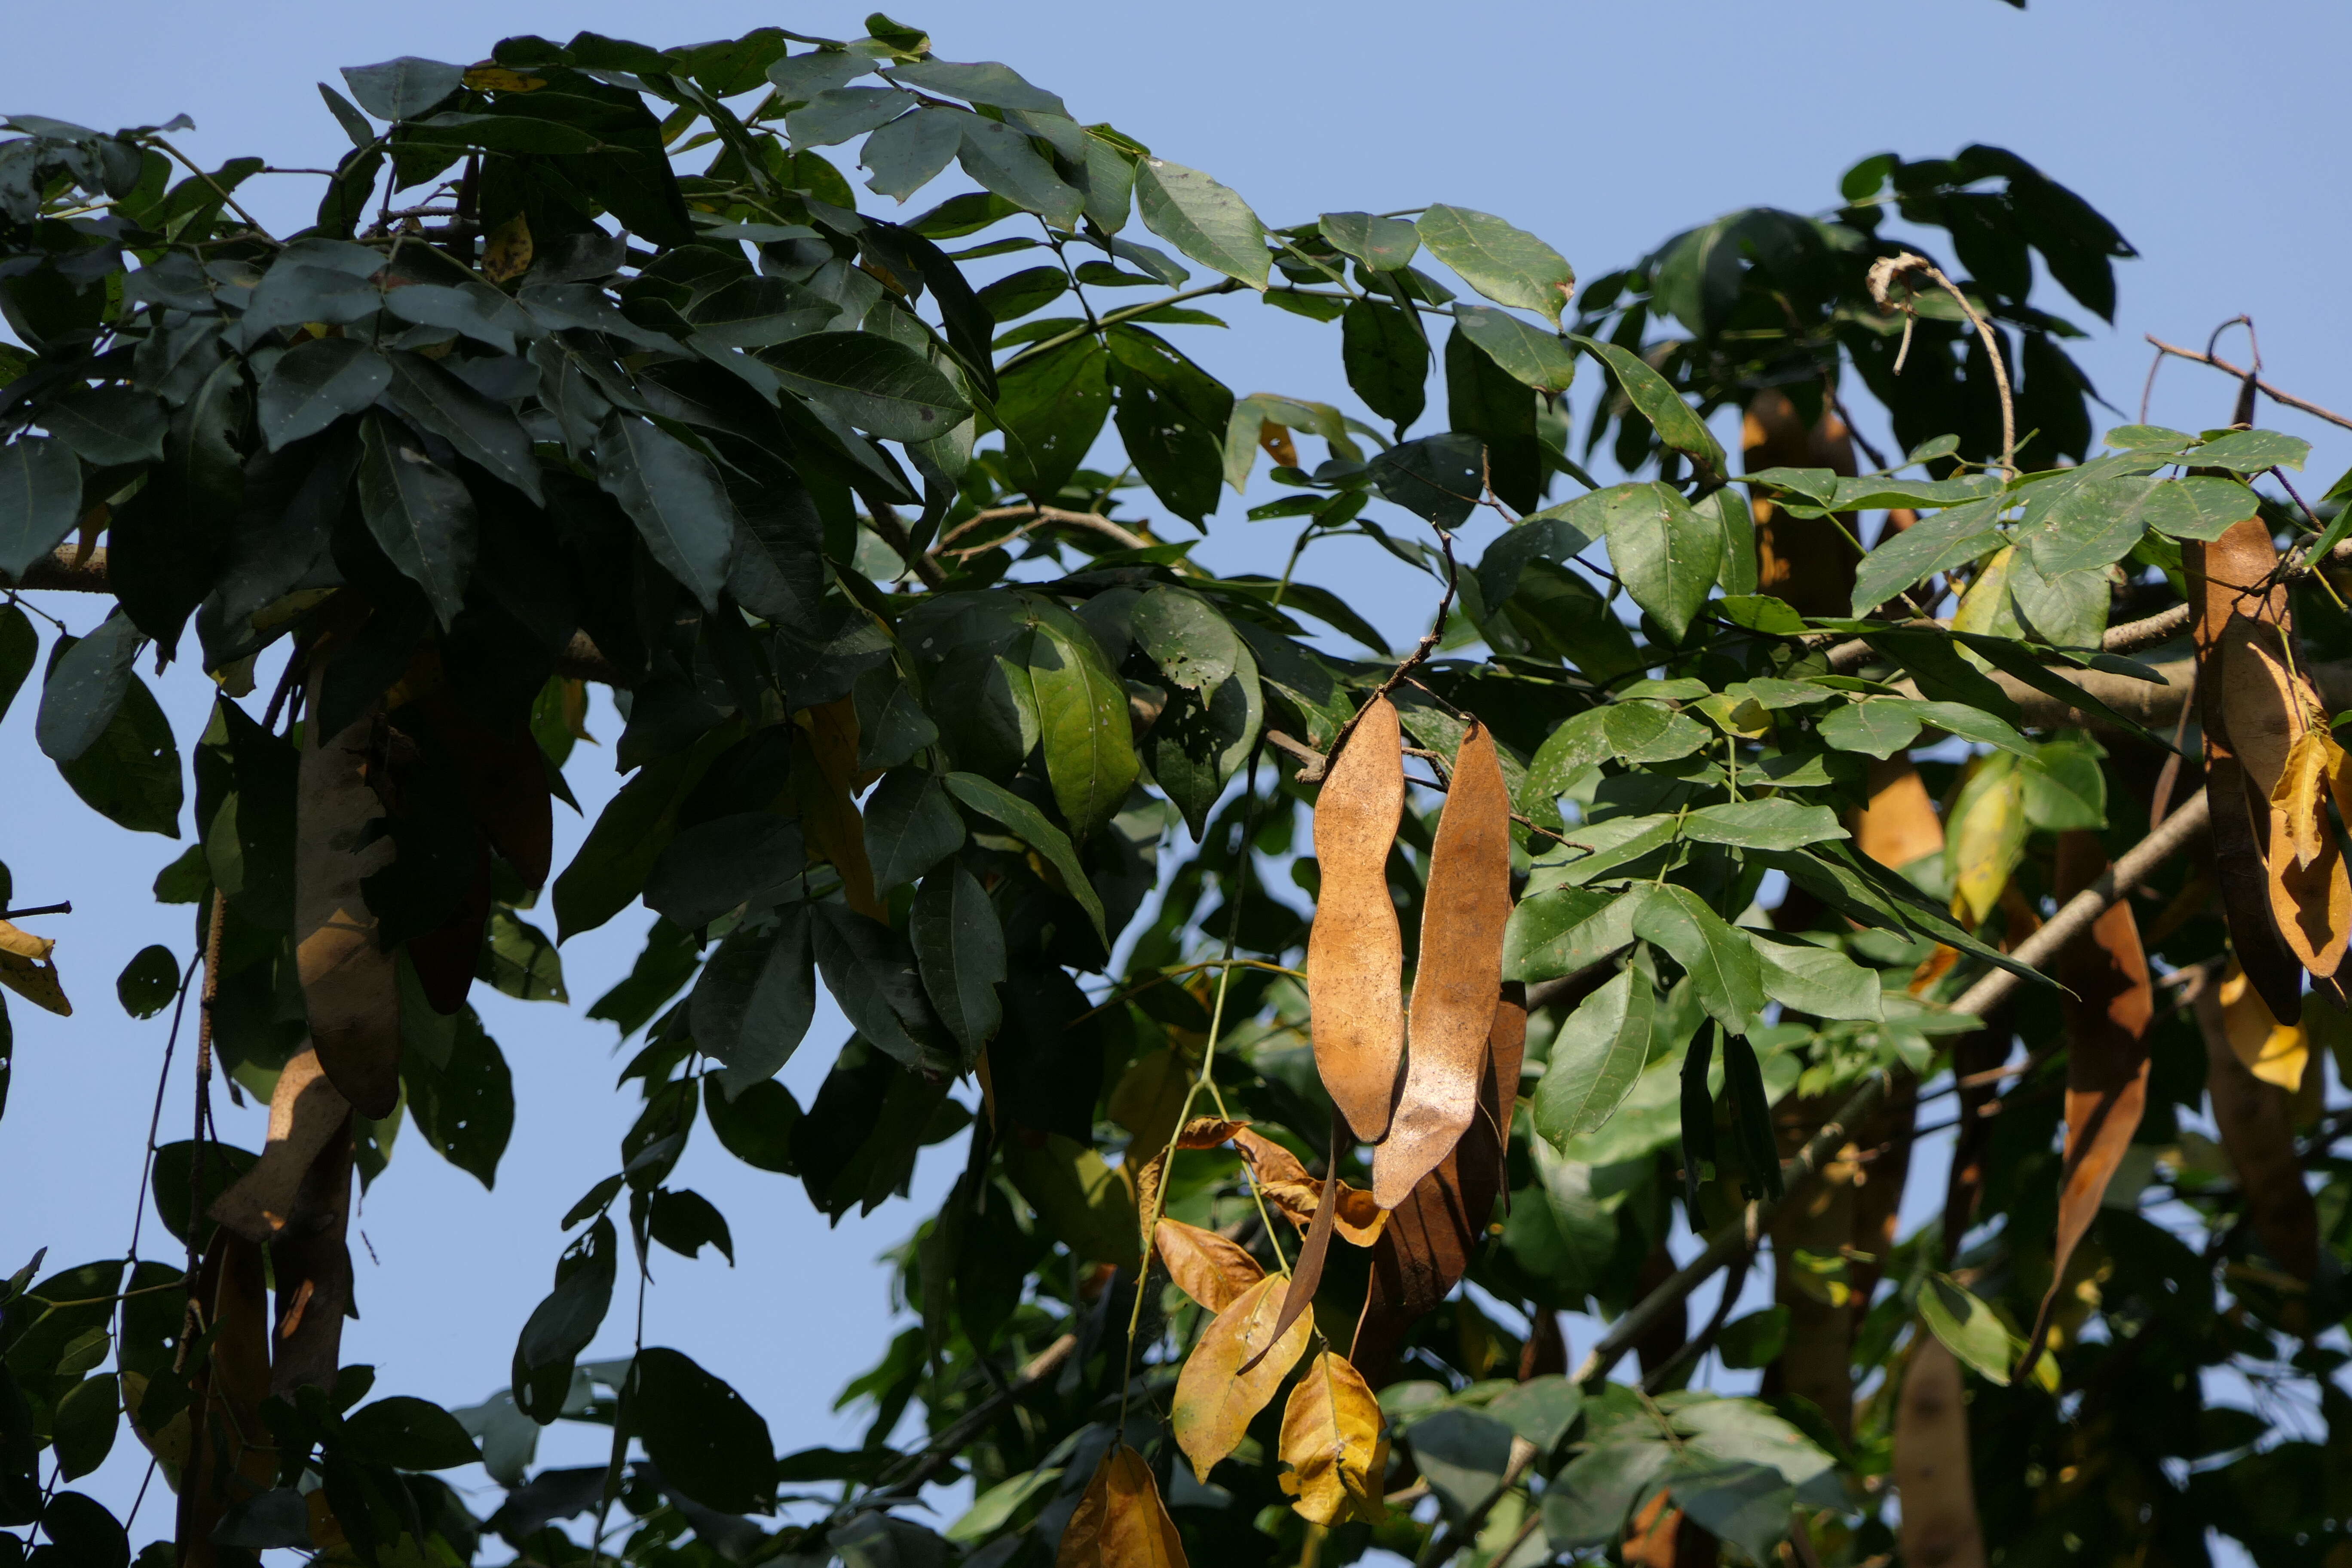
1382 244
1386 359
1777 823
1747 1505
1618 841
482 431
20 645
1083 723
1934 545
1202 218
1171 417
1876 726
755 1125
316 383
629 835
1540 1410
1462 1454
744 857
477 309
41 500
984 81
1595 1057
909 827
958 946
1666 553
518 961
109 426
83 1424
2203 506
1754 1340
2088 525
1028 824
877 384
1195 647
419 513
398 90
1507 264
1969 724
751 1004
1676 423
1541 360
1968 1328
871 974
1566 931
407 1434
1439 479
131 775
1052 406
708 1442
908 154
563 1323
1817 980
2249 452
88 679
1199 742
1723 967
463 1106
1586 1504
148 982
675 497
999 158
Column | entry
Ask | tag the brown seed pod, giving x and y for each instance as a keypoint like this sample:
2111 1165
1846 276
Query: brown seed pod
1355 952
350 988
1939 1528
1459 980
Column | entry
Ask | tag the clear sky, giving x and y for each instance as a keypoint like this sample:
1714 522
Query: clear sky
2211 135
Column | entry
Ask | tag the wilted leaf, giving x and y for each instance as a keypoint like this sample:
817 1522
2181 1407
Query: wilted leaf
1120 1521
1203 1264
1334 1440
1214 1401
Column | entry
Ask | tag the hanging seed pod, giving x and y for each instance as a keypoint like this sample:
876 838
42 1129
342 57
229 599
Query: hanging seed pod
1940 1529
350 988
1459 980
1355 952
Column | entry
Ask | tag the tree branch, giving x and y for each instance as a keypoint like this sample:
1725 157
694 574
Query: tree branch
2264 387
1797 1174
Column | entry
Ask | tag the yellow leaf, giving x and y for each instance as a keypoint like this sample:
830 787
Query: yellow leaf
1206 1267
1333 1442
26 969
1215 1400
1121 1522
498 79
1988 836
1984 608
2274 1052
1276 439
2311 762
507 252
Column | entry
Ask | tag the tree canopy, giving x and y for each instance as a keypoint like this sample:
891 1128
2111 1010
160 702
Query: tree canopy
1321 1020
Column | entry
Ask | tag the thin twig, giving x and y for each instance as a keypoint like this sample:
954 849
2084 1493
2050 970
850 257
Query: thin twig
1127 538
1884 271
2264 387
64 909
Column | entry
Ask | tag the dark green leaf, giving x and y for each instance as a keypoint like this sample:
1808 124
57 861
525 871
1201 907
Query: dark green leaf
756 1124
999 158
746 857
20 645
463 1104
560 1326
83 1426
408 1434
482 431
1876 726
1028 824
518 961
148 982
1723 967
1083 723
878 386
1821 980
419 513
1676 423
109 426
1382 244
1172 415
1667 553
687 1222
316 383
1507 264
1565 930
397 89
1440 478
677 500
958 946
1386 359
871 974
752 1003
909 827
907 154
130 774
707 1443
1777 823
88 679
1539 359
41 500
1052 406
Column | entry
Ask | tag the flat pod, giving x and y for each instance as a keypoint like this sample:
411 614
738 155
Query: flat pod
2257 1125
1931 1462
1355 952
306 1110
349 989
1460 979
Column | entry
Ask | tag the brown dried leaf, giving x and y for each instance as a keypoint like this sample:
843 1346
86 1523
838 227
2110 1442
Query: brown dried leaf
350 988
1355 951
2257 1124
1215 1400
824 780
1458 984
306 1110
2302 792
2106 1003
1334 1441
1663 1536
2240 868
1899 824
1121 1522
1506 1053
1206 1267
2311 902
1939 1528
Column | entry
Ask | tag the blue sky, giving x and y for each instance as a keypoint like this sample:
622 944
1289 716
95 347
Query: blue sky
2204 132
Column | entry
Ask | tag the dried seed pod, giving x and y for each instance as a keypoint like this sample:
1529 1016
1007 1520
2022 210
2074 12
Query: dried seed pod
350 988
1940 1527
2257 1125
1458 984
1355 952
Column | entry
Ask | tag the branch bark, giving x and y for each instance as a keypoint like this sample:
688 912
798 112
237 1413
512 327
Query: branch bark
1991 992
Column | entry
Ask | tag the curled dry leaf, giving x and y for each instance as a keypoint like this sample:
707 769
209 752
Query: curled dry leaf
1355 951
1121 1522
1215 1400
350 988
1335 1444
26 969
1459 980
2257 1124
2311 896
1940 1527
2106 1003
1206 1267
306 1112
1285 1182
2274 1052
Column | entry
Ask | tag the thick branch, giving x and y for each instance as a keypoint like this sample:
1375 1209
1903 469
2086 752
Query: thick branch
1978 1000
